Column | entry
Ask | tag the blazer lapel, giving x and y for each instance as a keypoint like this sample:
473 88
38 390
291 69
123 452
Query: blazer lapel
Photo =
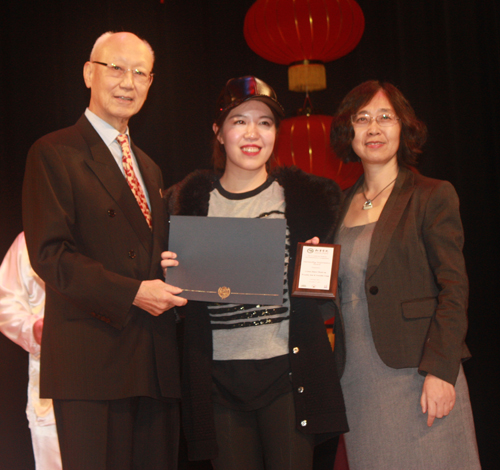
389 219
153 186
105 168
157 207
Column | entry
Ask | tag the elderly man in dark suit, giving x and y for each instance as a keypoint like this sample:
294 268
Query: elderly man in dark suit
95 227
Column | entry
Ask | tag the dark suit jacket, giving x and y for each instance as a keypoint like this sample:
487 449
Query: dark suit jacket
416 284
89 241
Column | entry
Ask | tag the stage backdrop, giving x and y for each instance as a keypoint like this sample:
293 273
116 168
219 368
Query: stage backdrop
443 54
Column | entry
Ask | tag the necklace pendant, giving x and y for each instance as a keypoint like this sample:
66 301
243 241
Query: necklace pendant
367 205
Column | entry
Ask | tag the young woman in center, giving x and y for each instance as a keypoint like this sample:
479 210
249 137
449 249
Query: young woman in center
260 387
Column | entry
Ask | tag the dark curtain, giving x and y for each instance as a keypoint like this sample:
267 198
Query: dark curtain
443 54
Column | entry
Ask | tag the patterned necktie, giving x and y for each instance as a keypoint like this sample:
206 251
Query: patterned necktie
132 180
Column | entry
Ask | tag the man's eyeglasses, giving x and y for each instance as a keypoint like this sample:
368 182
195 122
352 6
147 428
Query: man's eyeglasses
364 119
142 76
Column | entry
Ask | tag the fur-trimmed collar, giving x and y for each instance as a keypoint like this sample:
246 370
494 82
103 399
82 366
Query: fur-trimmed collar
312 202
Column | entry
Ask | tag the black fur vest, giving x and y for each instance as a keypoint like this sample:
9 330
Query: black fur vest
312 202
312 209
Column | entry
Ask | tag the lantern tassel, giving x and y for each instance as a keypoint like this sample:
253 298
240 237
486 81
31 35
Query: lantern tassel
306 76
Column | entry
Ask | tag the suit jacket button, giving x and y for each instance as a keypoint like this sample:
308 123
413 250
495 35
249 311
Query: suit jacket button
374 290
131 254
303 423
111 212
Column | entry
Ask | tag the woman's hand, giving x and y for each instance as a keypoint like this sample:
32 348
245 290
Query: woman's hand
313 241
168 260
438 398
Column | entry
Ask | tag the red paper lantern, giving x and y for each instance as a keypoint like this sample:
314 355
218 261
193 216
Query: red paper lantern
304 141
304 34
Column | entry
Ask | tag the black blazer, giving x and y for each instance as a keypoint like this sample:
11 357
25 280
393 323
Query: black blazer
88 240
416 284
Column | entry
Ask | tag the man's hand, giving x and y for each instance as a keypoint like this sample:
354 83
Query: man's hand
37 330
438 398
168 260
313 241
157 297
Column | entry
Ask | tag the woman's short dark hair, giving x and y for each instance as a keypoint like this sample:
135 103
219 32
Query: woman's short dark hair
218 151
413 131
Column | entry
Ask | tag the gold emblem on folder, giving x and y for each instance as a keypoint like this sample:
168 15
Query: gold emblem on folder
224 292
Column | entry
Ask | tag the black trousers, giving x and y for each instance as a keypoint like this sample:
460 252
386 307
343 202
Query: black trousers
325 453
139 433
265 439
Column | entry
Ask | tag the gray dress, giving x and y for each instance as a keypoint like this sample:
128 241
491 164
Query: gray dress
388 430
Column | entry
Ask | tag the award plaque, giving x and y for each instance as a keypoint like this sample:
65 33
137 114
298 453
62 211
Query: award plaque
316 271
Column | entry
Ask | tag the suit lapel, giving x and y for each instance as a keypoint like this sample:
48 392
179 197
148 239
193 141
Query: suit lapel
105 168
150 178
389 219
154 187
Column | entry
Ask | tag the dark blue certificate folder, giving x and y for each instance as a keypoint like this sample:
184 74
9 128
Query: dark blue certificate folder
229 260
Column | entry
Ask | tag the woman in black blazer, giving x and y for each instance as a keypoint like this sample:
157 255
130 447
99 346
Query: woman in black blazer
404 290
